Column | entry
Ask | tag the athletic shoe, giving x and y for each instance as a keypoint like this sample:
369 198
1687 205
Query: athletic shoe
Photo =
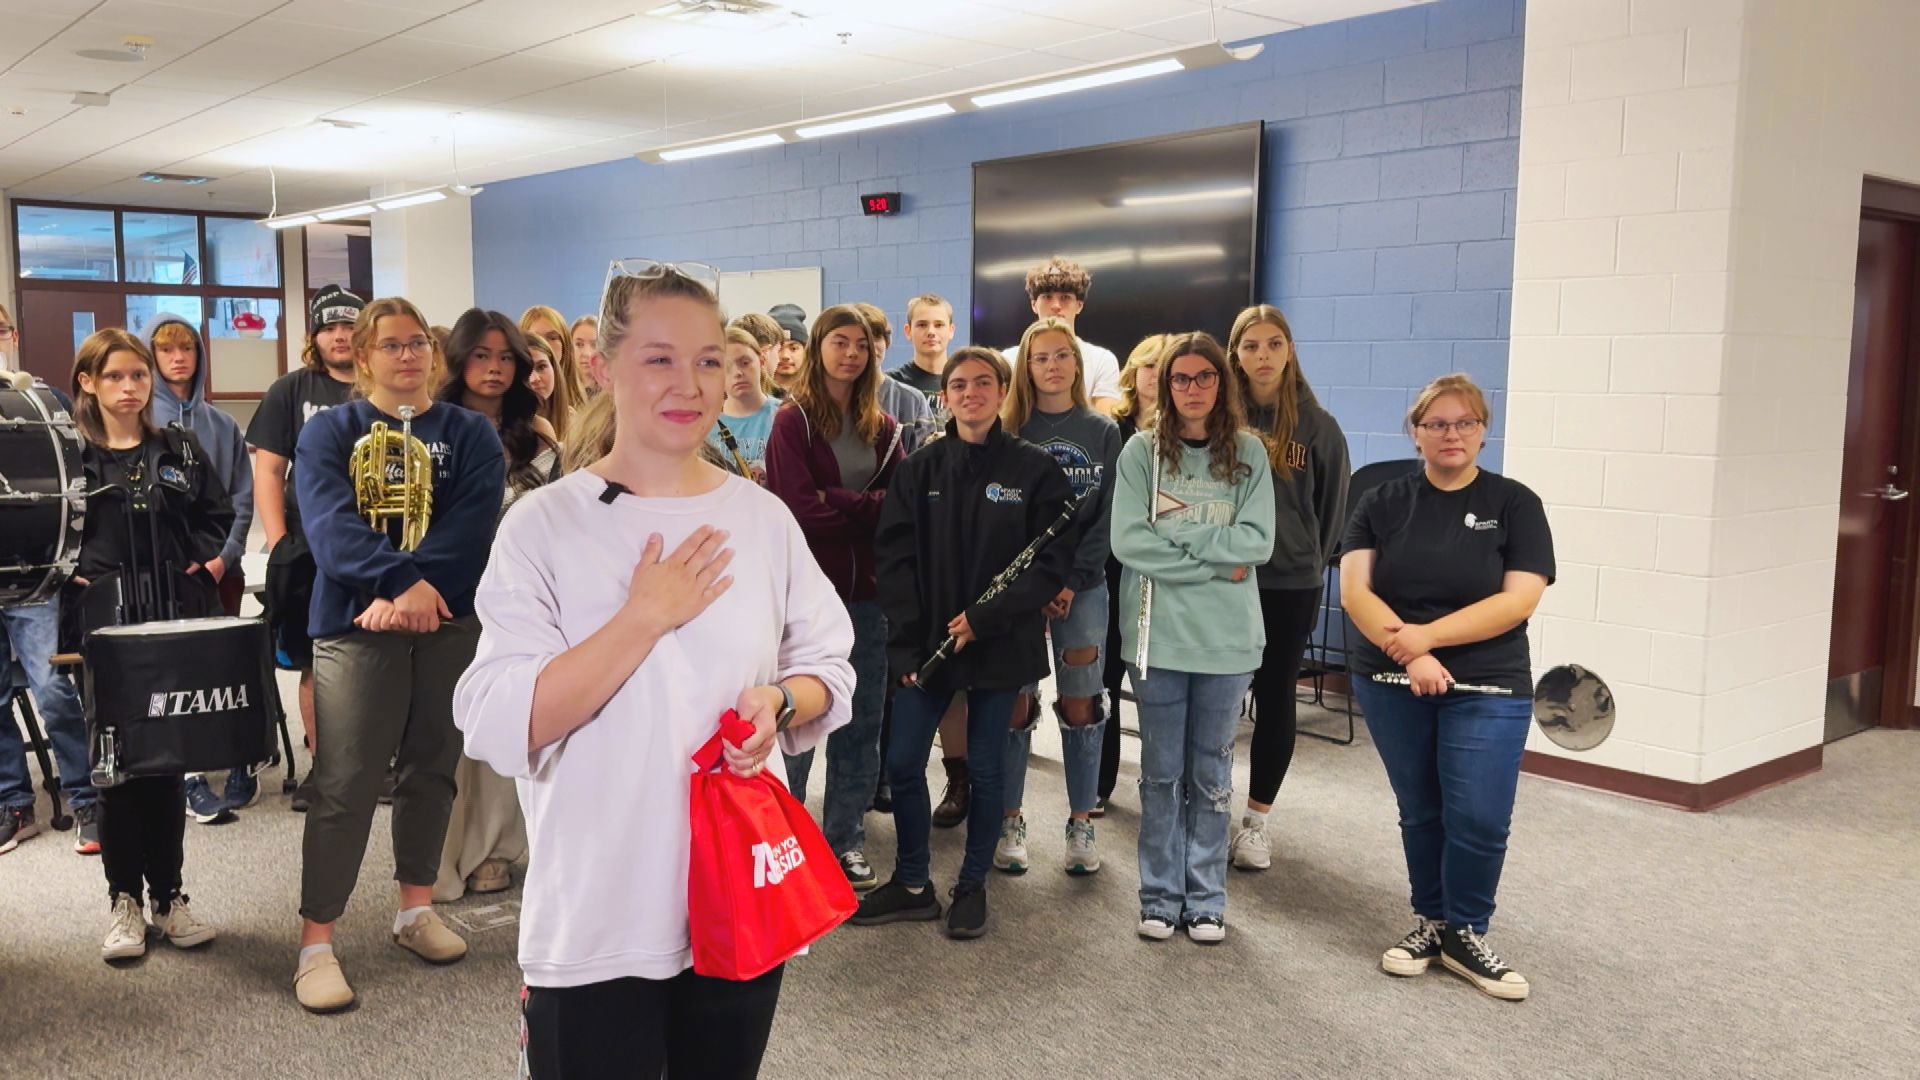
303 795
1465 953
86 835
968 916
1419 949
180 926
1099 809
1082 856
955 800
1010 854
16 824
859 874
203 805
893 902
127 936
242 791
1207 929
1250 849
1156 927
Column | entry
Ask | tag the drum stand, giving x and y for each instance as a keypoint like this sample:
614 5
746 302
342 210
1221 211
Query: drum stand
36 739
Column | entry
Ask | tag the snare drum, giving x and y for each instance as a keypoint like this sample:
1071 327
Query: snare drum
42 495
187 695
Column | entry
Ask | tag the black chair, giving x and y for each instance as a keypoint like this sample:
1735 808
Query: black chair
21 706
1319 661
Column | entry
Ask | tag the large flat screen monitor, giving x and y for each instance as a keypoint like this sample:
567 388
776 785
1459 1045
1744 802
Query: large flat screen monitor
1166 226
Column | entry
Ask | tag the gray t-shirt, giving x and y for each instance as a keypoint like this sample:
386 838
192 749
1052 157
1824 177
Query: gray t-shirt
855 457
1086 445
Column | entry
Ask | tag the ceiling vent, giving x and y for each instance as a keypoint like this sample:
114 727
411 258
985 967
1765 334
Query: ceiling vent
725 12
175 178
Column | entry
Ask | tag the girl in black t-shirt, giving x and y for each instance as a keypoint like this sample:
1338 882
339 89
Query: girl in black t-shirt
1440 570
141 826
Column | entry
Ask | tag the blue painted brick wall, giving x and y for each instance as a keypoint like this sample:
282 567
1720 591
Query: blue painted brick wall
1391 162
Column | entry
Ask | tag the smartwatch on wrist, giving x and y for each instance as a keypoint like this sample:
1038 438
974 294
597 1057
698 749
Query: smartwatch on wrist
784 718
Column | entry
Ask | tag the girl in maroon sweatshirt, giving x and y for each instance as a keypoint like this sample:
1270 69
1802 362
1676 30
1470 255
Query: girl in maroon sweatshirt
830 457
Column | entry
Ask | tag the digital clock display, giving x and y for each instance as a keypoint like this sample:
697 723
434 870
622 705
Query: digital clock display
887 202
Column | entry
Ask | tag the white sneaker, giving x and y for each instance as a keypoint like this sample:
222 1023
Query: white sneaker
1250 849
181 926
1082 856
1010 854
127 937
1155 927
1207 930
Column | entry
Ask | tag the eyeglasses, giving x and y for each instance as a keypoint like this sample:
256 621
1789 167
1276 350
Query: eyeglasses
1439 428
1205 380
703 273
392 350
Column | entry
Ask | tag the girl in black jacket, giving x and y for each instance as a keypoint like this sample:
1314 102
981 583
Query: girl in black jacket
956 514
141 826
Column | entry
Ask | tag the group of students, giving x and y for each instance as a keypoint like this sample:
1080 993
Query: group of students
523 693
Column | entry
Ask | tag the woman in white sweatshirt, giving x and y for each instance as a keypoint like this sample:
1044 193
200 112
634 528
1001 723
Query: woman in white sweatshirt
625 607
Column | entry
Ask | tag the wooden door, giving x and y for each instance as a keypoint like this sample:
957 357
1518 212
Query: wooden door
53 323
1874 494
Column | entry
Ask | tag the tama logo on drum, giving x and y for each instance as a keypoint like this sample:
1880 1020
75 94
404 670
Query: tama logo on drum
773 862
189 702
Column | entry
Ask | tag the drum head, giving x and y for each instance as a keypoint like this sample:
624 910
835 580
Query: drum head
1573 707
211 625
42 495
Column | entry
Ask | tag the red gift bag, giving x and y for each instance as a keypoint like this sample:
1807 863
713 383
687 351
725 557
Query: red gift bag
762 884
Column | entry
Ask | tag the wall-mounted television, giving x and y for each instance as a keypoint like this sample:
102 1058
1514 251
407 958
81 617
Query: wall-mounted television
1168 227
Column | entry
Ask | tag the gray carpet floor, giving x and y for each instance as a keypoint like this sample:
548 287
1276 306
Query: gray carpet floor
1772 938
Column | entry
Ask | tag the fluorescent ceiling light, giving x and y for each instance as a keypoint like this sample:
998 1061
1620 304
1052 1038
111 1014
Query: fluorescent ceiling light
402 201
1241 192
1078 82
338 212
289 222
751 142
875 120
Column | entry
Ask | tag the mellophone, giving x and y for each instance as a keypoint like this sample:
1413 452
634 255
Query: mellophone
163 695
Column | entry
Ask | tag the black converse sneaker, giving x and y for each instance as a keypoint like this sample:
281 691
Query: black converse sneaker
1465 953
1415 951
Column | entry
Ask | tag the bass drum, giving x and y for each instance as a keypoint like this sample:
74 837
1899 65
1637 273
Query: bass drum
42 494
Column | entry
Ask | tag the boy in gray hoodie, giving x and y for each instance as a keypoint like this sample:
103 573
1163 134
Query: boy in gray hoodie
180 397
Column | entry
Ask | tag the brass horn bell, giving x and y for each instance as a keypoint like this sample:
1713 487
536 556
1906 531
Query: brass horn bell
393 479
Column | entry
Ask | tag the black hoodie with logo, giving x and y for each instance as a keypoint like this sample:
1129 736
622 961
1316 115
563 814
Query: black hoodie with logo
190 517
956 515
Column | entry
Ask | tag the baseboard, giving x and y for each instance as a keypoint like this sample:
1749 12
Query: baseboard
1675 793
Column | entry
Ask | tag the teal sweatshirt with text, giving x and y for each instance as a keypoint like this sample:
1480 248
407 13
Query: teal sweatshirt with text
1203 622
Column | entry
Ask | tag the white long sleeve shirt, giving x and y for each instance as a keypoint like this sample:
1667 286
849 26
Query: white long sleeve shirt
606 807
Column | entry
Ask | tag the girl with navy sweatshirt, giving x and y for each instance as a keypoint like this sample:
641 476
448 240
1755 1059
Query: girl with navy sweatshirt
1192 518
392 631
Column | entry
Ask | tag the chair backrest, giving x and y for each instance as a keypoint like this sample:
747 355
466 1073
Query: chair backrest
1368 477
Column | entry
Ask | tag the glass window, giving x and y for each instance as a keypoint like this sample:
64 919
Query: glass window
241 251
67 245
145 310
163 249
244 317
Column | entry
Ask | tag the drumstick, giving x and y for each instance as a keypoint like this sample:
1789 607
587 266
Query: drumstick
1396 678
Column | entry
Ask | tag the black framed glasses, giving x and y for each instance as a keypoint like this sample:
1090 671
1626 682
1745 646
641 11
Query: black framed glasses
1439 428
1205 380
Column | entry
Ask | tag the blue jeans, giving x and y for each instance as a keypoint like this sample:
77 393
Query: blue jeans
1187 725
916 719
853 752
33 633
1454 762
1085 627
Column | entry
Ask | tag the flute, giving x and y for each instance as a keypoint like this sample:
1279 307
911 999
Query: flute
1396 678
1005 579
1146 583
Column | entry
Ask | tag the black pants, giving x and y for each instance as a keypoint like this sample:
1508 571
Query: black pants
1290 615
686 1026
1113 677
143 826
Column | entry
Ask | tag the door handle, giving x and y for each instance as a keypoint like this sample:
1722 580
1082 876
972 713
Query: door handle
1887 492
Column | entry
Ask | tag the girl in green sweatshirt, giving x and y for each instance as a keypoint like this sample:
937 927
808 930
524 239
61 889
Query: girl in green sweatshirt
1192 517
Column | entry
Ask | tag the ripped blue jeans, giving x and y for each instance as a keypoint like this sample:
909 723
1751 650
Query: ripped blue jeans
1187 726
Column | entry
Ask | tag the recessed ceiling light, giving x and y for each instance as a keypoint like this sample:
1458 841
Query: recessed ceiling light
133 50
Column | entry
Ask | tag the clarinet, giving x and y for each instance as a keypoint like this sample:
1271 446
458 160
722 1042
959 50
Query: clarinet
1005 579
733 448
